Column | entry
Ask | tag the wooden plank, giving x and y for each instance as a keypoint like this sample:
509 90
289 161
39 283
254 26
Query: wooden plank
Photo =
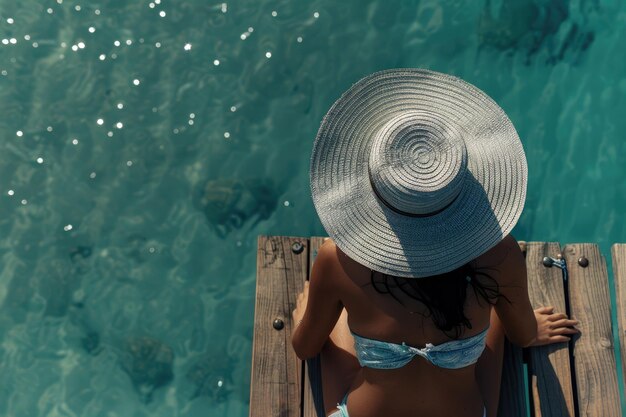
594 359
551 379
276 371
618 252
313 401
513 386
512 401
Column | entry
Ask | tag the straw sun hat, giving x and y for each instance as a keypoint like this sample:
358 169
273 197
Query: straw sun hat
415 173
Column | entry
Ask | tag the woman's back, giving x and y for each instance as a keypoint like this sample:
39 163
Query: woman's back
419 387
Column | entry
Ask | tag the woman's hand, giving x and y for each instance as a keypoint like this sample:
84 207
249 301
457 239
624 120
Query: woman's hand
553 327
301 302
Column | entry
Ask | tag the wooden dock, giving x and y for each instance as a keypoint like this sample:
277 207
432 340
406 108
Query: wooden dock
572 379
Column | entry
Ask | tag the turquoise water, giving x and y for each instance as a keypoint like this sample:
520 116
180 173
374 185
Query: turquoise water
144 146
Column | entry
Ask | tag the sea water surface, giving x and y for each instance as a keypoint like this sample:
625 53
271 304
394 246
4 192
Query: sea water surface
145 145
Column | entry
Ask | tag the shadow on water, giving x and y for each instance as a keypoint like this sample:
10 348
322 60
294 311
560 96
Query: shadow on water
551 29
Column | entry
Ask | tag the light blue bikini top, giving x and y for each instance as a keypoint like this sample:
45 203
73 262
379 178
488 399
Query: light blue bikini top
454 354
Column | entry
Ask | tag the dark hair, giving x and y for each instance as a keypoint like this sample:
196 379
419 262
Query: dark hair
443 295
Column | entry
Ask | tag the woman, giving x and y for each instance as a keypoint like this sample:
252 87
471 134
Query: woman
418 177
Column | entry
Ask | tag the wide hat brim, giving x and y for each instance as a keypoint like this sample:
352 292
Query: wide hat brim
384 240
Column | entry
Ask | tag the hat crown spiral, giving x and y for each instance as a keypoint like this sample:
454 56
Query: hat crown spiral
417 163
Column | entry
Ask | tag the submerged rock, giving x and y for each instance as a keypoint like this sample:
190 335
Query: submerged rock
80 252
91 342
148 362
211 377
228 204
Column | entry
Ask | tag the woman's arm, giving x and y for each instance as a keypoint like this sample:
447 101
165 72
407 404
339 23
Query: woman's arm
513 308
523 326
319 306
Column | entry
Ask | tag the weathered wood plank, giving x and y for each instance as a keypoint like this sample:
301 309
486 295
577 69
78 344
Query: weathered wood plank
551 379
618 252
313 402
276 371
594 360
512 401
